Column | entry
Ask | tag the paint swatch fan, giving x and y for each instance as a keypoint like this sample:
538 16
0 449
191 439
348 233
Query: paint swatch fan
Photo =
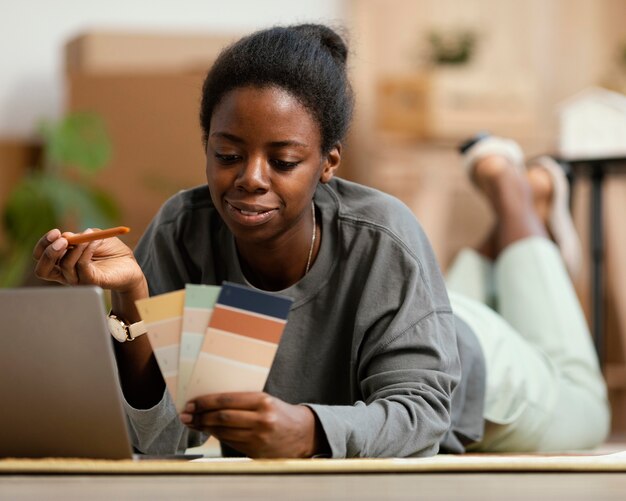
210 339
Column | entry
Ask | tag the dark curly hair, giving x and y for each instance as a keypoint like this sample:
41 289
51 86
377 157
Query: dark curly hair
307 60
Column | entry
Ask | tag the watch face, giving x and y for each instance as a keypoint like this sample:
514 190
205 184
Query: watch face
117 329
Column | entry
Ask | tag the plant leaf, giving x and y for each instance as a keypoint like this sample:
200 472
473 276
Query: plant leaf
79 141
79 206
43 201
13 268
29 212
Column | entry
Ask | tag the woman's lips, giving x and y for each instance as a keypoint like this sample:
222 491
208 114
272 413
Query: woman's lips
249 216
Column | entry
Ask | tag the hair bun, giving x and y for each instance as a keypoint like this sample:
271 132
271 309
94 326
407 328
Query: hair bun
306 60
329 38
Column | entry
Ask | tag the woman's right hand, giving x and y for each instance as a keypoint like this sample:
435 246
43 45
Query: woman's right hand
107 263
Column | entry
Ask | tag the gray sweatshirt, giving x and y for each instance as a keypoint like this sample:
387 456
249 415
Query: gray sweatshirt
371 344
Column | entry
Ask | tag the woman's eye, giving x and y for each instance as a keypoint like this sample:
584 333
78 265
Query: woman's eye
226 159
283 165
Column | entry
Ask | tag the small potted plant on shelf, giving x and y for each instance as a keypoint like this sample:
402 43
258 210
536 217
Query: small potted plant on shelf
451 47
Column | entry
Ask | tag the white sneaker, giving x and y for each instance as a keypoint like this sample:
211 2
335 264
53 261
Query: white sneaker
493 145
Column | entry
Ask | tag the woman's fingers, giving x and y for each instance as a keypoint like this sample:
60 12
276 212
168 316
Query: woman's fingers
68 262
84 267
235 437
239 411
44 242
254 423
223 418
60 262
235 400
47 266
107 263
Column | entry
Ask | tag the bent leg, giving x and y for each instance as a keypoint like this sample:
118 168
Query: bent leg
544 388
545 391
472 276
537 298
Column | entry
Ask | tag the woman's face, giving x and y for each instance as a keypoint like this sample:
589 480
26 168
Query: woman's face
264 162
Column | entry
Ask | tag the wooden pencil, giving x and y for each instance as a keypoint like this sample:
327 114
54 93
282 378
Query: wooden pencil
81 238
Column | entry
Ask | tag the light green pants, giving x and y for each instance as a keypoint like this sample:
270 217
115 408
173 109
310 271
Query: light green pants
545 391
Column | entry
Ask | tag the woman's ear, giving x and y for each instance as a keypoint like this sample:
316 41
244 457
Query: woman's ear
331 163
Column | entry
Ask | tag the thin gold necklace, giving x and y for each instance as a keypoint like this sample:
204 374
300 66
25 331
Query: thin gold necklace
308 261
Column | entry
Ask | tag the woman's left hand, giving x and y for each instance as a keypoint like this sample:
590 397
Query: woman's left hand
254 423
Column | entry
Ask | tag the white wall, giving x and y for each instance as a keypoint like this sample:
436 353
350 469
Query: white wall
33 33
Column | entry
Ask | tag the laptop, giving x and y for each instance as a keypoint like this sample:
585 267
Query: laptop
58 379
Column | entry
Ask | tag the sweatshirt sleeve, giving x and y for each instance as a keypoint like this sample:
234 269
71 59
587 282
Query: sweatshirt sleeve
406 384
158 430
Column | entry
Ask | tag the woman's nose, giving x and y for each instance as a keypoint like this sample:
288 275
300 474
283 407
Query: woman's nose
253 175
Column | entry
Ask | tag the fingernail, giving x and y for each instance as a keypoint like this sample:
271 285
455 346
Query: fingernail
51 236
186 418
190 407
59 244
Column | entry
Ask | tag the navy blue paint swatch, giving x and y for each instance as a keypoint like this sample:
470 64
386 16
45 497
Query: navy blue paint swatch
256 301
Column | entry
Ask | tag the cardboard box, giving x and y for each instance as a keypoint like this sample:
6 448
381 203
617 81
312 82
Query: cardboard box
152 120
119 52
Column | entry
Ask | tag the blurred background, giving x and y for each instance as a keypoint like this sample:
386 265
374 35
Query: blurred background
98 113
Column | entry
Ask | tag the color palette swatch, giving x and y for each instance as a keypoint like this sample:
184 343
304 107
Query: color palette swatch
210 339
240 342
199 303
163 316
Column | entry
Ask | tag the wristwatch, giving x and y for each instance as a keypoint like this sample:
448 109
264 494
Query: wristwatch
123 331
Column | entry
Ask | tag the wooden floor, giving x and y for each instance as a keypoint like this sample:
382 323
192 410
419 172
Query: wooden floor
323 486
486 486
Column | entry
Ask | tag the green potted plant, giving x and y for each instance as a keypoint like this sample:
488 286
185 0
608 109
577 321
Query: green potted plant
451 48
59 193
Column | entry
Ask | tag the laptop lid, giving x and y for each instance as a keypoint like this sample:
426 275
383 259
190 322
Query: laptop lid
58 380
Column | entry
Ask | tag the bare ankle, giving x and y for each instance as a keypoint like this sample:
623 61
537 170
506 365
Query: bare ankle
502 184
489 169
542 189
511 197
488 248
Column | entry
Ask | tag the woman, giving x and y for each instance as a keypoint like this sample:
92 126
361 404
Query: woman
372 362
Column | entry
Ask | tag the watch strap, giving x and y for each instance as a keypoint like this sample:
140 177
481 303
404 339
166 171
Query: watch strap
135 330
